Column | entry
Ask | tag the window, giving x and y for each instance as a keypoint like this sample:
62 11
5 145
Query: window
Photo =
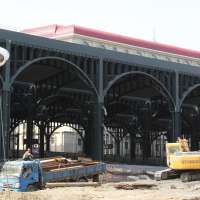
26 172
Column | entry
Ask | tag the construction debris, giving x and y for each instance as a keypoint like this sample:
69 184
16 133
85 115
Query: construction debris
134 186
57 163
75 184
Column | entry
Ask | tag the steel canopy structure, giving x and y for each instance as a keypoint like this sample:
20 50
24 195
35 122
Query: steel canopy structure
50 83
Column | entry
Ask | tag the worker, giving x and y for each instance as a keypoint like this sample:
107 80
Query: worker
27 155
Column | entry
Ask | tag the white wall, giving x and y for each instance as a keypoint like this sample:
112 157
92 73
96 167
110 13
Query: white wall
66 141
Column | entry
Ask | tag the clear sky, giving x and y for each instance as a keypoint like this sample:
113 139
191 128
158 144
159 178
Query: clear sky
173 22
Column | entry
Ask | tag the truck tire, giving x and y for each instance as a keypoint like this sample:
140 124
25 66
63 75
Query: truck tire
95 178
82 179
31 188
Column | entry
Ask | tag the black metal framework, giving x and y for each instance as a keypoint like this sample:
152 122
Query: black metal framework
51 83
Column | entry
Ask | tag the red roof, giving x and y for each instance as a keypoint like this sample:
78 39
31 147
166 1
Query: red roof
54 30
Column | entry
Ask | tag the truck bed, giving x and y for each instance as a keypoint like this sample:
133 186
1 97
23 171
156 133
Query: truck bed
73 172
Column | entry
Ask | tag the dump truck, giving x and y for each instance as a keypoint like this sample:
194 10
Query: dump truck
181 162
31 175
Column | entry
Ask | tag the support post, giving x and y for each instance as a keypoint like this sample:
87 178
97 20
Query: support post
132 146
87 148
2 153
5 107
29 133
147 123
6 121
176 114
42 134
117 144
99 115
194 135
48 136
98 133
176 125
47 143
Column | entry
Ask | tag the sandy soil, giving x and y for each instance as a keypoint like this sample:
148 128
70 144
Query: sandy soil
165 190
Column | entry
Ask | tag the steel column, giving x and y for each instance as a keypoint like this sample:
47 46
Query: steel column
48 136
132 146
147 120
98 133
194 135
99 116
42 134
29 133
117 145
176 114
1 130
6 103
176 125
6 120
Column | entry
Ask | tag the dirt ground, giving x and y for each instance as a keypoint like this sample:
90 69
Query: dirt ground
164 190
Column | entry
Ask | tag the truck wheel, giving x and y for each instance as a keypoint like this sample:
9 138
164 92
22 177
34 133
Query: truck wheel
95 178
31 188
82 179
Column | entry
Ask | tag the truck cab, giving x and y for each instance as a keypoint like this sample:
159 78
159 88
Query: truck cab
20 175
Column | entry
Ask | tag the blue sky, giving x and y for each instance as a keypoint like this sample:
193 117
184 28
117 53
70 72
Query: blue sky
173 22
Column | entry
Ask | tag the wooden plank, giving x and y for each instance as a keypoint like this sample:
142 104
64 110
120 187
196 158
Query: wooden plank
61 169
71 184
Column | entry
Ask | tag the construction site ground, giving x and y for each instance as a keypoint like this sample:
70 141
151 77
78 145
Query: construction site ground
118 175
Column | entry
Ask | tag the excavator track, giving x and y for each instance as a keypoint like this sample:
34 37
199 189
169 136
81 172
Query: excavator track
166 174
190 176
185 176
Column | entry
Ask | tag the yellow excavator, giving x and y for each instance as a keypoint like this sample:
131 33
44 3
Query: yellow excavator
181 161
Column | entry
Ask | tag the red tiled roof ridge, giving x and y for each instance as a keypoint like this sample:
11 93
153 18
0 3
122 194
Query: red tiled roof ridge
60 30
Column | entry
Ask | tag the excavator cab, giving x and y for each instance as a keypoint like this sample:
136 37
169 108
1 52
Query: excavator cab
172 148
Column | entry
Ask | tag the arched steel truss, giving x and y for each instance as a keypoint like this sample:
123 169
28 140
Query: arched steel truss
87 77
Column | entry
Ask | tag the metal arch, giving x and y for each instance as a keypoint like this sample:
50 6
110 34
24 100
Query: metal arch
21 122
51 97
26 65
55 118
188 92
113 81
123 126
16 125
63 124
